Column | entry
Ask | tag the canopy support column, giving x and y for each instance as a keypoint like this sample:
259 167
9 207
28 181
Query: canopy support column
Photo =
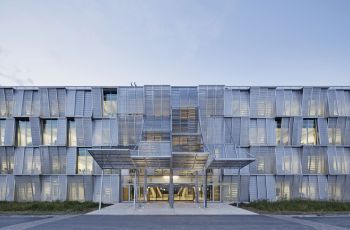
171 189
135 188
205 189
196 188
239 187
145 191
101 187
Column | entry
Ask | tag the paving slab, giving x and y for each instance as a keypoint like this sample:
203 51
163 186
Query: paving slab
163 208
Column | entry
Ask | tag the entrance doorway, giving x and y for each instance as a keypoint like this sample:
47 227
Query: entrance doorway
184 192
158 192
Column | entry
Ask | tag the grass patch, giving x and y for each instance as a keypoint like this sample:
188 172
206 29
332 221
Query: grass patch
298 207
47 208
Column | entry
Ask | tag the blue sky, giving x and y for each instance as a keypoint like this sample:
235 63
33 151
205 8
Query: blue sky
182 42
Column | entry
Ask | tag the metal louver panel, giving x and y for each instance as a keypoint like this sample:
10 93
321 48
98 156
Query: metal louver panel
297 127
322 131
61 96
110 192
271 131
261 186
45 160
70 103
80 131
27 188
44 102
36 130
9 132
270 188
62 131
19 157
130 100
184 97
88 188
322 187
53 103
87 124
253 190
280 102
79 103
87 104
97 102
18 102
71 160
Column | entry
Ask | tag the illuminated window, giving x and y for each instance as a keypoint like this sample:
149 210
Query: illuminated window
278 130
334 132
260 164
2 131
72 133
84 162
49 132
315 164
24 133
109 103
257 131
309 132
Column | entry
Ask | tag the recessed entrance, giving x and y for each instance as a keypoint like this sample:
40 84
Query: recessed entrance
158 192
184 192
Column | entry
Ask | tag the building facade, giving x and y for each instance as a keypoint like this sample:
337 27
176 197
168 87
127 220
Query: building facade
160 142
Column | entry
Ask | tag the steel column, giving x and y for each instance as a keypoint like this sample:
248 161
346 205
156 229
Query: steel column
205 189
171 189
101 187
196 190
135 188
239 187
145 191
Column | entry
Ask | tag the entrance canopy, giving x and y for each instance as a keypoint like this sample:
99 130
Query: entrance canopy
125 159
189 160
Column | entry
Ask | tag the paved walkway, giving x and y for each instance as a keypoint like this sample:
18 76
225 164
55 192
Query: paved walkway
162 208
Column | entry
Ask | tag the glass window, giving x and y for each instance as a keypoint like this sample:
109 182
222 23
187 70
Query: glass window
2 131
309 132
109 103
76 191
334 132
185 120
315 164
24 133
6 102
6 162
260 164
278 130
184 143
31 103
84 162
49 132
257 131
72 133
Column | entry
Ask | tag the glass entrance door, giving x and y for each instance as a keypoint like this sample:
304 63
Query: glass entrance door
158 192
184 192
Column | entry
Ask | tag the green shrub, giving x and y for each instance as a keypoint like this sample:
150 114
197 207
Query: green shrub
55 207
299 205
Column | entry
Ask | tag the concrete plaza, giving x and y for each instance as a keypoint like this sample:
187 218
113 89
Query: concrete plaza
180 208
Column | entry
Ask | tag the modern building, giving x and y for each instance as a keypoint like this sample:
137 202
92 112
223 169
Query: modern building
167 143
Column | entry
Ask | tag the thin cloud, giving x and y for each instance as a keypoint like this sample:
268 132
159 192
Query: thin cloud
17 80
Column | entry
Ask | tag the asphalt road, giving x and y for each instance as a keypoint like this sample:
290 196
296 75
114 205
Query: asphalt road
182 222
11 220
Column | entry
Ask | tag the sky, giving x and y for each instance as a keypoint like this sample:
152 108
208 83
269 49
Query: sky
176 42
